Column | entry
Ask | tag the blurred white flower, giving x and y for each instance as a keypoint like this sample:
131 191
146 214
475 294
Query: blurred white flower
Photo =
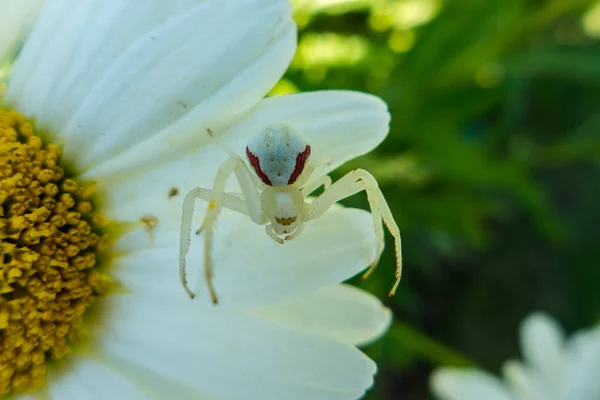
129 89
555 368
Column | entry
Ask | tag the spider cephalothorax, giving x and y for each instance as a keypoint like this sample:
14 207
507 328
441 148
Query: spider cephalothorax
275 196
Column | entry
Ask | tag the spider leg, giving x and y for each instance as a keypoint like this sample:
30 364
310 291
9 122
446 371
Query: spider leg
296 233
269 230
231 201
313 185
217 198
350 184
308 171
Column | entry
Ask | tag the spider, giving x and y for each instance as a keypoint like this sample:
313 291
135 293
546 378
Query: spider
275 194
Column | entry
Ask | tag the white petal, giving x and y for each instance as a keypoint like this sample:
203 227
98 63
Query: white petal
91 35
341 312
15 19
583 366
229 103
91 380
467 384
528 383
541 343
153 384
231 355
164 69
250 269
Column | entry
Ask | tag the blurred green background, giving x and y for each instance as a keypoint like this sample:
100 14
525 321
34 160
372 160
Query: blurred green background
491 167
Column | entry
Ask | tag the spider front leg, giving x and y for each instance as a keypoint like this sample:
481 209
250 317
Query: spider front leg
217 198
350 184
310 187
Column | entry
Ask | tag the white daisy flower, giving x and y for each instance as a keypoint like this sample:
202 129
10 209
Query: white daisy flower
102 131
555 368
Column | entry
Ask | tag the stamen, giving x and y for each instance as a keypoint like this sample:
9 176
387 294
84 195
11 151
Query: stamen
50 241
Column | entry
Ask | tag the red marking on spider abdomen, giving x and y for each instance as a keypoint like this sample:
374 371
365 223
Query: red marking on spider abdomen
301 159
255 163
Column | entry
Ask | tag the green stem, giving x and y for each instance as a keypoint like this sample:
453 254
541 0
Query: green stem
408 338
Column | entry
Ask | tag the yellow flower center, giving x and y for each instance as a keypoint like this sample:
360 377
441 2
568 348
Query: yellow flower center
50 240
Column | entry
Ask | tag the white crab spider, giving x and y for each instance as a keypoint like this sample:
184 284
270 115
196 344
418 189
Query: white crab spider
275 195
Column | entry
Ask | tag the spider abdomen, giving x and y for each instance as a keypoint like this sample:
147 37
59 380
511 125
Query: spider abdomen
278 155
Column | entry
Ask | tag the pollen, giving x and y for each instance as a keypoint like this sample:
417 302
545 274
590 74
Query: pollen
51 240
